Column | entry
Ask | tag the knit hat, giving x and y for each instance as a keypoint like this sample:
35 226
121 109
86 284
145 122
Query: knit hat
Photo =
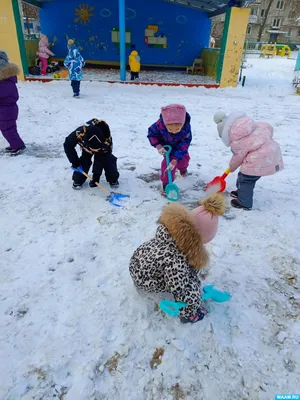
173 114
220 118
96 134
3 59
206 217
71 42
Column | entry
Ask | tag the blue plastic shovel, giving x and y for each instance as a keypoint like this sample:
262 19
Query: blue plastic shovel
172 190
173 308
112 197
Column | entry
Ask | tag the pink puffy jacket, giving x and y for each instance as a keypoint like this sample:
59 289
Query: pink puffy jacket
44 52
252 144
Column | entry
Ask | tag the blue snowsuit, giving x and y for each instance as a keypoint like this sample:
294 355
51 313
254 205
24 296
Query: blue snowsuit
74 62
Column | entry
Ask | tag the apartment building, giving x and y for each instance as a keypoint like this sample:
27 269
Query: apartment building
281 24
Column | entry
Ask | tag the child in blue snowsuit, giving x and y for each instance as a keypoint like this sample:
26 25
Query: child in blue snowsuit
74 62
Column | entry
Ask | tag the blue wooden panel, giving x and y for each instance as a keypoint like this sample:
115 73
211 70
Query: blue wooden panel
186 31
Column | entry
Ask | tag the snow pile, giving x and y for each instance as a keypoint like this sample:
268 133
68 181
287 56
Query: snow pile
72 325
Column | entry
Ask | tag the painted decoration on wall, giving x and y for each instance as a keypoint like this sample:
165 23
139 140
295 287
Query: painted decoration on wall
83 14
115 36
159 42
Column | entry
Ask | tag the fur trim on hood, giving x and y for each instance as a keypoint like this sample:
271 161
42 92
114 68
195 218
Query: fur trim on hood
214 204
229 121
179 223
9 71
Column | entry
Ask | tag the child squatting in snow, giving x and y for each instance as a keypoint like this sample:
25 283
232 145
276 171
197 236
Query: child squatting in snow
173 128
96 141
254 150
171 260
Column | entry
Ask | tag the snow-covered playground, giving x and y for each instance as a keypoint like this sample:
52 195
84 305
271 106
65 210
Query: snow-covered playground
73 327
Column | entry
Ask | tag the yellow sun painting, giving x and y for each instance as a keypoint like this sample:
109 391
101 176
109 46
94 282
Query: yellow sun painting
83 14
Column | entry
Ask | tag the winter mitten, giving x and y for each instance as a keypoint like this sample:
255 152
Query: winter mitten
172 165
198 317
161 150
77 166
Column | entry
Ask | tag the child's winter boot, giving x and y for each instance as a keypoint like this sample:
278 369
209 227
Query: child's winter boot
236 204
198 317
77 186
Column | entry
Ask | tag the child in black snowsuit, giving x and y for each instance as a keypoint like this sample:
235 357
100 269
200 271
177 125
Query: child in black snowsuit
95 140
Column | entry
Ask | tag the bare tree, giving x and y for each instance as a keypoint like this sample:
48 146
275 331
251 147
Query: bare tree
265 17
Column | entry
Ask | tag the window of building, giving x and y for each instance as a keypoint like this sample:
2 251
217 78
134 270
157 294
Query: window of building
262 13
249 30
254 11
276 23
280 5
299 32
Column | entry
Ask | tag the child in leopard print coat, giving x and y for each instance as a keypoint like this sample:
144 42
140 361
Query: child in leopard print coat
170 262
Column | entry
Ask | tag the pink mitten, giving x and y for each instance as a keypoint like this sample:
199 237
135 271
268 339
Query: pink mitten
172 165
161 150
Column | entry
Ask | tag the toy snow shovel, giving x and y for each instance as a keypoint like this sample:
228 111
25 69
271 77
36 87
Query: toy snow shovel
218 184
112 197
172 190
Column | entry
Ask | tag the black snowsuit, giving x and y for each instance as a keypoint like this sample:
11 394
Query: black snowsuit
96 135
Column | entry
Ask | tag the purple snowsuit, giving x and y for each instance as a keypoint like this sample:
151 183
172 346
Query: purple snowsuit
8 105
180 142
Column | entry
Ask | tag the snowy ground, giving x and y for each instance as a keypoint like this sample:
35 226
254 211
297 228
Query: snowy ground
72 325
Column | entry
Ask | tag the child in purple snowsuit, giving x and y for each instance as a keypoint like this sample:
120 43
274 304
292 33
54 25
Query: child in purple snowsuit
173 129
8 105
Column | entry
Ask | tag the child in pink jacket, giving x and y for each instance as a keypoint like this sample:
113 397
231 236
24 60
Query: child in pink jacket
254 151
44 53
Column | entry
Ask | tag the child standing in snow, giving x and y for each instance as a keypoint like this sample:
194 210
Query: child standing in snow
96 141
254 150
44 53
173 128
74 62
170 262
8 105
134 63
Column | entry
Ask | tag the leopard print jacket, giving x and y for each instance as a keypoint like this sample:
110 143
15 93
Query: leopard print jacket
163 264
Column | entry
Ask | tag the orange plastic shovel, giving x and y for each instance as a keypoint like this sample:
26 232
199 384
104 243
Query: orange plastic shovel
218 184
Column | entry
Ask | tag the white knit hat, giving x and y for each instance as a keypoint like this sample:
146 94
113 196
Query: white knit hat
220 118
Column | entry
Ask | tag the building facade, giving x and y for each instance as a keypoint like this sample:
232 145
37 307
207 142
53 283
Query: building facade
280 25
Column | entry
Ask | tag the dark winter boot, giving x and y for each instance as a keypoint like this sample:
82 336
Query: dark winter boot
184 174
8 149
234 194
15 152
76 186
92 184
236 204
114 185
198 317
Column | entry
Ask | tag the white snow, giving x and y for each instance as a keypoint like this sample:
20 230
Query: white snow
73 327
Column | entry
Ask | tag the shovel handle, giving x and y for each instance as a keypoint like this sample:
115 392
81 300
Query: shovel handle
226 173
90 178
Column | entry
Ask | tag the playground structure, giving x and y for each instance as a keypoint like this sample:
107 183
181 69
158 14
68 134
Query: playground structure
160 45
272 50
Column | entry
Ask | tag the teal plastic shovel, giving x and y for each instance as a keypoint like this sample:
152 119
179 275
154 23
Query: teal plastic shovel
172 190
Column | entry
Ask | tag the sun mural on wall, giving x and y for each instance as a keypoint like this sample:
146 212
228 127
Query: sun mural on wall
83 14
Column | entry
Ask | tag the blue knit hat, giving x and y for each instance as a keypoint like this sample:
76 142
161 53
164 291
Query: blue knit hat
3 59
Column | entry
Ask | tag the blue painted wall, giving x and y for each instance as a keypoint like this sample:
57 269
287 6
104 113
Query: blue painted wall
187 30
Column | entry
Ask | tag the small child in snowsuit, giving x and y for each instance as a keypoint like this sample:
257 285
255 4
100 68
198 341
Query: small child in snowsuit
174 129
96 141
9 111
74 62
170 262
44 53
134 63
254 150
